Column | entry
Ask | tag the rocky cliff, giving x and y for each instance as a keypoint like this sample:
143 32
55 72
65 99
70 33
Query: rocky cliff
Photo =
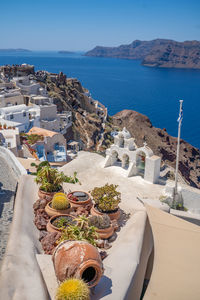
69 95
162 144
156 53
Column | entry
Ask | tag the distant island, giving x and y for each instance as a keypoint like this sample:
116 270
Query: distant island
65 52
15 50
156 53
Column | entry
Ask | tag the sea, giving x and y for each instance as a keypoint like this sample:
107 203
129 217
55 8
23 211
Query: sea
126 84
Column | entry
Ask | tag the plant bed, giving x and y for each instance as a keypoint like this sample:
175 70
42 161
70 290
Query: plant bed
79 198
58 223
103 225
106 200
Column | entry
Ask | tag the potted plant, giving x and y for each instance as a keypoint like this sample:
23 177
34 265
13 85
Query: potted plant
103 225
58 206
58 223
50 181
106 200
79 198
73 289
81 231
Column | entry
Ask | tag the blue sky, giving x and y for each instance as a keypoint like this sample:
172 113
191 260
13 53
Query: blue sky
83 24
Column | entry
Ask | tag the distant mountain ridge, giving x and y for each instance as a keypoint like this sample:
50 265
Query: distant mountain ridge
156 53
15 50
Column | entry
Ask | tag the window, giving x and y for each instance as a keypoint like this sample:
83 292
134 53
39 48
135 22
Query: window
9 144
11 117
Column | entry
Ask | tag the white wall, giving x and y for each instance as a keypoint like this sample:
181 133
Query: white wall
12 161
190 196
18 114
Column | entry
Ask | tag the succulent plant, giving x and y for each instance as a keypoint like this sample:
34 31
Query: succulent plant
73 289
80 232
100 222
106 197
60 201
51 179
63 221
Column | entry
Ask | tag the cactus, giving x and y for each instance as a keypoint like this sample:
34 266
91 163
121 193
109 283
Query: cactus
60 201
100 222
73 289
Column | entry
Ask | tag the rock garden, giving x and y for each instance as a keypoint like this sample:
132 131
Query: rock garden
76 228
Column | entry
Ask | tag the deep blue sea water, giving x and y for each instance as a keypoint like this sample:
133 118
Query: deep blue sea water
125 84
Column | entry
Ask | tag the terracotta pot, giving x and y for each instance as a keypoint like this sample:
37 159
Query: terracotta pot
78 259
113 215
51 228
47 196
105 233
56 212
75 203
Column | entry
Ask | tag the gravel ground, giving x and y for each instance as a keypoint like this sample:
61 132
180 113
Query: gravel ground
8 183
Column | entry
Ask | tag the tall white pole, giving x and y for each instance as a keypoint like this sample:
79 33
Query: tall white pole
178 146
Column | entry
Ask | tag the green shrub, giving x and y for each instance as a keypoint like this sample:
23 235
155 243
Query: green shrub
107 197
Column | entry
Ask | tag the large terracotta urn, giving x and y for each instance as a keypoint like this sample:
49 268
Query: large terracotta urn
78 259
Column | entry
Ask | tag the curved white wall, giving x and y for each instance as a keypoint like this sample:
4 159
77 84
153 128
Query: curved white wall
12 162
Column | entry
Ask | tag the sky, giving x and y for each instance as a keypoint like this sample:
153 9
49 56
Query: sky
82 24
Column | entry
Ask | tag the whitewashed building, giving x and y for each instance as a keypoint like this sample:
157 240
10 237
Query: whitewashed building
46 116
18 115
9 97
11 140
29 86
52 147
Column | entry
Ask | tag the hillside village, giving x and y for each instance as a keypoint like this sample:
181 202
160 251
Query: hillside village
34 123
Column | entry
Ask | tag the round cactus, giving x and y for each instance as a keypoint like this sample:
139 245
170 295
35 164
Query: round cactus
73 289
60 201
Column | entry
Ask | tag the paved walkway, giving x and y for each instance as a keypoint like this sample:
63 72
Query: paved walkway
8 183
